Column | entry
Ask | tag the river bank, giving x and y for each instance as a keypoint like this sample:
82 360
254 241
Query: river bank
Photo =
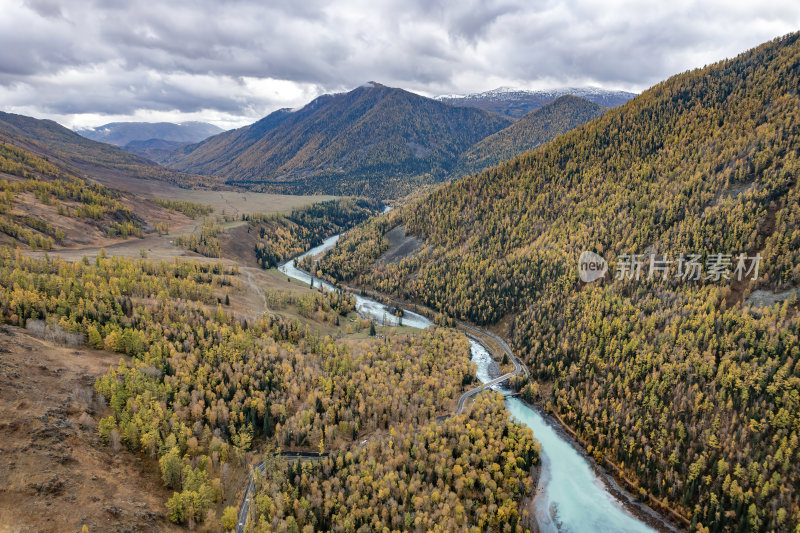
662 520
632 504
573 493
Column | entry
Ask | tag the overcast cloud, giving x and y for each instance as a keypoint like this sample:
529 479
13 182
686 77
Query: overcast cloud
85 62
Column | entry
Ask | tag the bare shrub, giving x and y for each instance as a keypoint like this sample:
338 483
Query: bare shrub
54 333
37 328
225 473
151 372
87 421
83 397
115 440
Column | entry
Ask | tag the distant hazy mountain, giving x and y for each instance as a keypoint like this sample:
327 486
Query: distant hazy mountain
515 103
535 128
374 140
123 133
153 149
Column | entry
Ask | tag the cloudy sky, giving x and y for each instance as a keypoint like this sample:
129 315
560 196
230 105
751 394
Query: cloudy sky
230 62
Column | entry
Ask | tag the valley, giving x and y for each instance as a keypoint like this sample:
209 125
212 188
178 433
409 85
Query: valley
125 325
249 297
367 308
568 493
680 389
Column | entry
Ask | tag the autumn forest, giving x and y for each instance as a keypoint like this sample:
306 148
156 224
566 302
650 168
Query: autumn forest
324 320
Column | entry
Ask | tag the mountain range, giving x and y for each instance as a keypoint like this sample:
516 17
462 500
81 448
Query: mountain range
514 103
153 140
123 133
374 140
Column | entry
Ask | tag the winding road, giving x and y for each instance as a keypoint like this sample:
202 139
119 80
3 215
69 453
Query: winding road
244 507
247 498
518 367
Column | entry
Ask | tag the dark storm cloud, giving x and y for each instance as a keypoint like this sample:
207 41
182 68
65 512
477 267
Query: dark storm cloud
239 59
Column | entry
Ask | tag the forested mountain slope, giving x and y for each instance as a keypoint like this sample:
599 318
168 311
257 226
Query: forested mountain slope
686 386
373 141
536 128
49 139
43 205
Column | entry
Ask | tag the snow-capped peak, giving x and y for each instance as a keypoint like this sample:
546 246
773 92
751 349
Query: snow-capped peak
501 93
